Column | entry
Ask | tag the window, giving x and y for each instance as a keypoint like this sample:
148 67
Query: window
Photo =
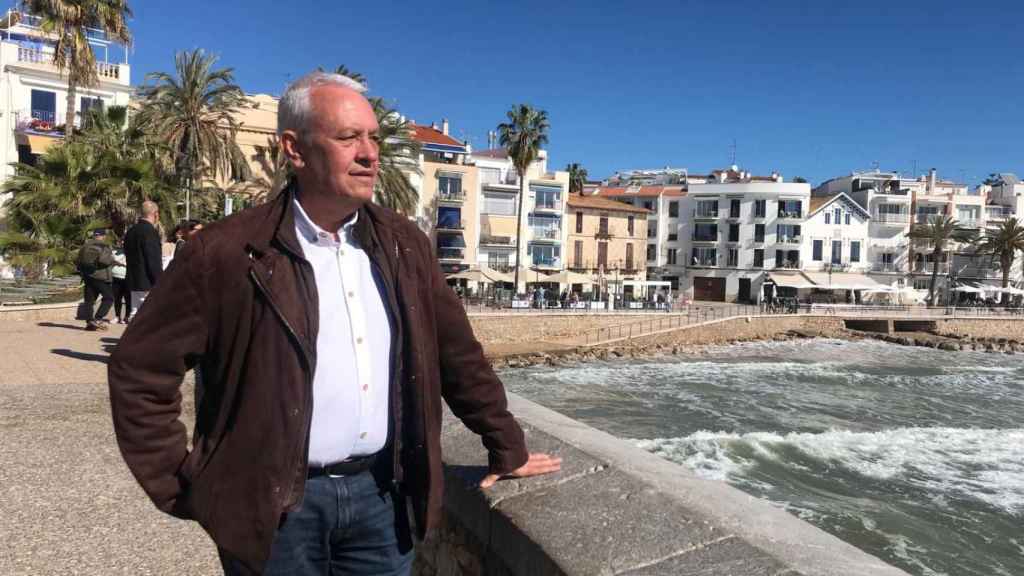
602 227
449 185
703 256
788 233
838 216
760 208
817 250
759 233
921 284
673 209
734 232
828 217
886 258
498 260
547 197
780 258
652 229
790 209
648 205
759 258
837 251
449 218
652 252
707 209
854 250
544 254
629 224
545 226
44 106
734 208
490 175
577 253
671 257
733 258
705 232
499 204
602 255
847 219
673 236
629 256
88 104
579 222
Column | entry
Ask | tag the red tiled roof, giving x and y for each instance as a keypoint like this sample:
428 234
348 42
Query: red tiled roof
598 203
429 135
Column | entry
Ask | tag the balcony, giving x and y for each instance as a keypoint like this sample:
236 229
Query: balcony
969 223
790 215
450 226
927 267
450 254
998 213
704 238
547 263
789 240
452 197
926 218
891 219
603 235
495 240
42 58
789 265
551 234
705 214
547 207
703 262
886 267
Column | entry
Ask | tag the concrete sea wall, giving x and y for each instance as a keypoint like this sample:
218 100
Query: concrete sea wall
618 510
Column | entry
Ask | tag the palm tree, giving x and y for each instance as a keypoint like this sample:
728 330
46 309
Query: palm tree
194 113
522 136
69 21
938 233
577 178
1003 243
399 154
275 170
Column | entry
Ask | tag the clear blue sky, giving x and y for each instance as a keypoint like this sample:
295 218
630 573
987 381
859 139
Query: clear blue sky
814 89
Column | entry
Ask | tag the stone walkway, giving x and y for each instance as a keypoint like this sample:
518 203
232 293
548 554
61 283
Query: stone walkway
68 504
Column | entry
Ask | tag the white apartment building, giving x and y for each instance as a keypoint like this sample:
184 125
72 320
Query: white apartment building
735 228
543 228
33 93
657 177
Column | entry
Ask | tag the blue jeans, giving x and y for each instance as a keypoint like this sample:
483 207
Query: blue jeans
345 525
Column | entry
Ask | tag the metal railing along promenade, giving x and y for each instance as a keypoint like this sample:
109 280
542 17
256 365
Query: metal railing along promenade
685 317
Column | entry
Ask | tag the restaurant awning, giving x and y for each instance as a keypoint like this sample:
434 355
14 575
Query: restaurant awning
791 280
841 281
37 143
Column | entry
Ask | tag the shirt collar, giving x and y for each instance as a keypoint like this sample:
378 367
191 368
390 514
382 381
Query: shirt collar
310 233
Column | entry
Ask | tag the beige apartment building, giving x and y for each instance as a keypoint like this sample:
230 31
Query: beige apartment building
607 239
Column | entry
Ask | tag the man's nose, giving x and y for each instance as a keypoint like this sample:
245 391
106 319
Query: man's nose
369 151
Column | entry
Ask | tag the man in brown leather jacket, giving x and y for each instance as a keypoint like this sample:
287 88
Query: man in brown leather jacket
324 329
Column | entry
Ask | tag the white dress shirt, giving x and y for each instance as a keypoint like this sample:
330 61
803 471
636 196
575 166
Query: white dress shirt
353 346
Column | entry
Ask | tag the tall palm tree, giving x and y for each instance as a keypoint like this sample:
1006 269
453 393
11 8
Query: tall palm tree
194 113
523 136
399 153
577 178
1002 243
939 232
275 168
69 21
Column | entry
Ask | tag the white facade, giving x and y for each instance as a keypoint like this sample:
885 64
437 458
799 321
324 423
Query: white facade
836 236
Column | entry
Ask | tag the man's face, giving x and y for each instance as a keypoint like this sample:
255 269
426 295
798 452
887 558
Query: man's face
338 149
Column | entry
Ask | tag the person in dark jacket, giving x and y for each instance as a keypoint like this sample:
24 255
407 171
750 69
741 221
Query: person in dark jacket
328 339
95 259
143 254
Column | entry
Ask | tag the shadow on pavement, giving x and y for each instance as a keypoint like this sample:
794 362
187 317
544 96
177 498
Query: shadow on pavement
56 325
81 355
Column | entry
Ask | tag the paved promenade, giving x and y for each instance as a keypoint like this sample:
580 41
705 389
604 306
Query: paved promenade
68 504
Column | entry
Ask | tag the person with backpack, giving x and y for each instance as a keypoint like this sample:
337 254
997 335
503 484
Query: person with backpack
95 260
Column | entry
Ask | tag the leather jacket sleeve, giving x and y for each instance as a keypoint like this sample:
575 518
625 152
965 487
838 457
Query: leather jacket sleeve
165 339
468 383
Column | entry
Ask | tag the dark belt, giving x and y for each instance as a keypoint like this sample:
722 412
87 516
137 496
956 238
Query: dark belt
347 467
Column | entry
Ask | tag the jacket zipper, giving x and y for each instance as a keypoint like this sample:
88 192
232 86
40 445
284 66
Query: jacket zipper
309 379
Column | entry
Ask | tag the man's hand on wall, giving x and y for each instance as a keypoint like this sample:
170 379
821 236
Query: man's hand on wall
536 465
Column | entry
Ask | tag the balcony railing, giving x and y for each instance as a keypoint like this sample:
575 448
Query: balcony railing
547 206
459 196
603 234
547 233
925 218
1000 213
705 213
37 56
927 267
704 260
704 237
791 214
547 262
451 253
900 219
496 240
968 223
789 265
886 267
789 239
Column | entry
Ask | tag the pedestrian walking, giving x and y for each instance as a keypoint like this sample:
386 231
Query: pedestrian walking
329 339
122 295
143 254
94 263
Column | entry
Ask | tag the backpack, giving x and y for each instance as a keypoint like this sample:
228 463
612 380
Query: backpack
88 258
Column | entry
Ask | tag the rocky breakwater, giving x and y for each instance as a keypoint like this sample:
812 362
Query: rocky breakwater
952 343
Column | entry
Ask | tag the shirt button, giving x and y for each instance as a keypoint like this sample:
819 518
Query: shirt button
363 435
359 340
295 412
366 387
351 294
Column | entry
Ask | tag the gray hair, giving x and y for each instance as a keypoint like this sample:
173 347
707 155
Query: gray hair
294 109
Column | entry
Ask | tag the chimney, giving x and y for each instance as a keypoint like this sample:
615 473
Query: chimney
433 125
931 179
444 126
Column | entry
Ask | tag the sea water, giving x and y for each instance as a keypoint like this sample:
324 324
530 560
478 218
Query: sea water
912 454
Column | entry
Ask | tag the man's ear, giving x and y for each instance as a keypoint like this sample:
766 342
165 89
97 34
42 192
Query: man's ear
291 149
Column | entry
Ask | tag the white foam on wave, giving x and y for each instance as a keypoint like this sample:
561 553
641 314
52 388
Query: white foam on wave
986 465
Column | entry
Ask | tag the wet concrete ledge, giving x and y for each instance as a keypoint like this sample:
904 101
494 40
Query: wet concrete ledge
615 509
